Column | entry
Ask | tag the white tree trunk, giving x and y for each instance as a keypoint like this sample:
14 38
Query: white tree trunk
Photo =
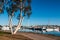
10 24
18 27
19 24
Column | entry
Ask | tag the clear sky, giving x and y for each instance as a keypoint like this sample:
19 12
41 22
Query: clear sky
42 12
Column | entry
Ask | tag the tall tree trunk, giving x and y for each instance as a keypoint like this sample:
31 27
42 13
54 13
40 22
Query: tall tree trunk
19 23
10 24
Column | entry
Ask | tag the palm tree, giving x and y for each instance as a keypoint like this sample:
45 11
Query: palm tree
26 10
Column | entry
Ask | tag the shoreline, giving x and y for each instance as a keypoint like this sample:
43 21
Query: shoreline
27 36
40 36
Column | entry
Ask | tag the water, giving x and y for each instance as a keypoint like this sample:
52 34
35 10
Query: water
53 33
25 30
56 33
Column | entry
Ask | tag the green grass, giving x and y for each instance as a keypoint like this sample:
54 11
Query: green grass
2 32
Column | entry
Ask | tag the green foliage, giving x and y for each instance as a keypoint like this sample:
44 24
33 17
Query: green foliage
29 1
14 5
1 6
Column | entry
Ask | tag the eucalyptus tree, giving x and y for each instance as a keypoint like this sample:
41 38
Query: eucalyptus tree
13 5
25 10
10 10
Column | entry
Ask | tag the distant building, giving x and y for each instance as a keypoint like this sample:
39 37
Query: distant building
5 28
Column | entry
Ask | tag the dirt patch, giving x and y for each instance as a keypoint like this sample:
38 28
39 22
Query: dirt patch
8 36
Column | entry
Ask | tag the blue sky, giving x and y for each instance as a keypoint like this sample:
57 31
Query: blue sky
42 11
